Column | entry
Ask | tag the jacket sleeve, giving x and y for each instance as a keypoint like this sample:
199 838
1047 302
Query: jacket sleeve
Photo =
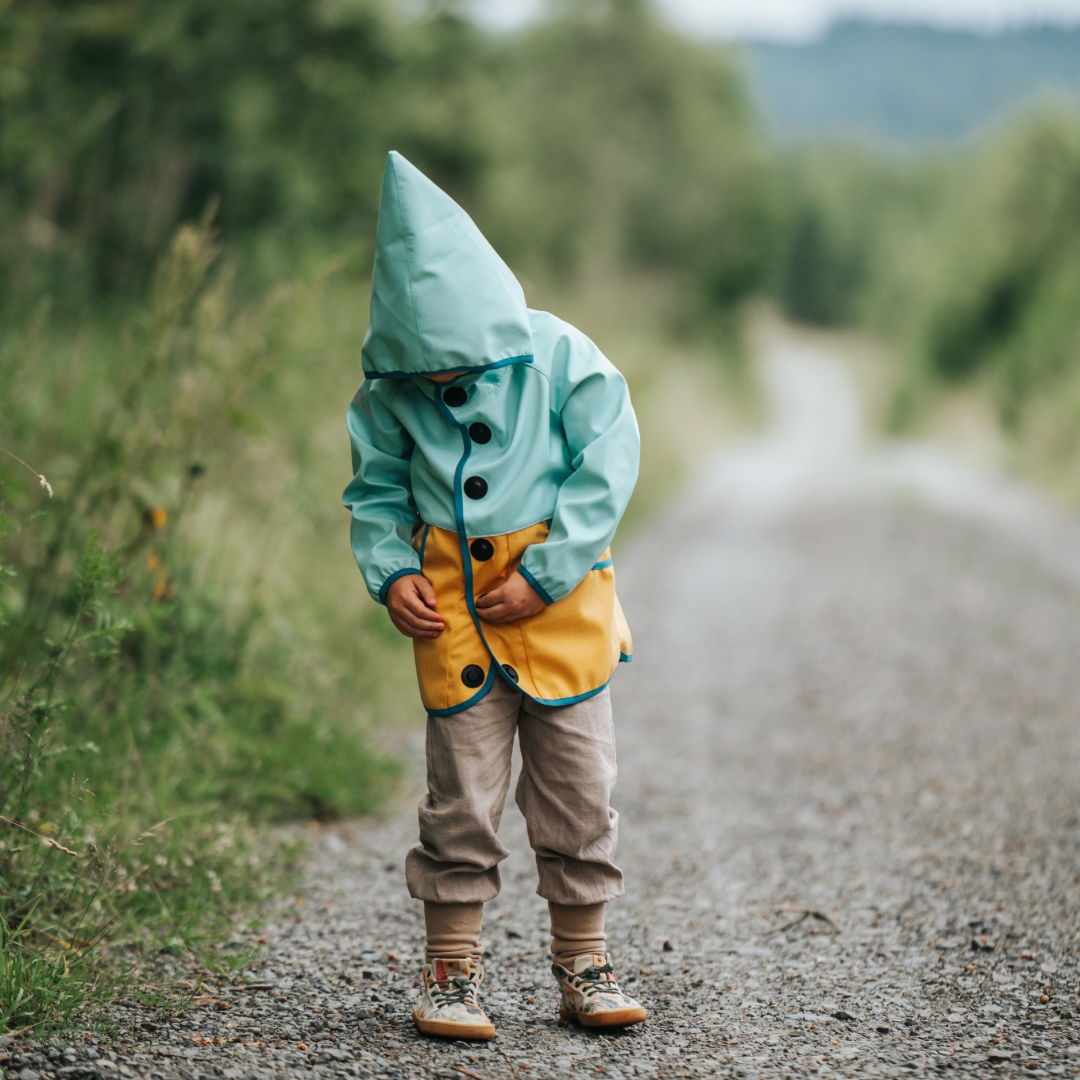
384 516
601 432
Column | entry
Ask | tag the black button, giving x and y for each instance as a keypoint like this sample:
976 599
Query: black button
473 676
476 487
455 396
479 433
482 549
511 672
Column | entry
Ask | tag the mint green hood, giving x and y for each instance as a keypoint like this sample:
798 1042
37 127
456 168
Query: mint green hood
441 298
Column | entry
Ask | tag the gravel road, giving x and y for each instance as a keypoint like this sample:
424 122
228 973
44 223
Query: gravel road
850 754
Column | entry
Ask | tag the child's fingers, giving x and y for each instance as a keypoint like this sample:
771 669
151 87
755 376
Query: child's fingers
422 622
491 599
409 623
411 627
415 607
424 589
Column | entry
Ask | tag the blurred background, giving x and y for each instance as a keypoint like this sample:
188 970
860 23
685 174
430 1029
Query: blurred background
188 194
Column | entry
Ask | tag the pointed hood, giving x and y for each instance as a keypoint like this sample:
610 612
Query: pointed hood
441 298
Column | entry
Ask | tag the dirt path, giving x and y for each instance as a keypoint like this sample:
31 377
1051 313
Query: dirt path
850 759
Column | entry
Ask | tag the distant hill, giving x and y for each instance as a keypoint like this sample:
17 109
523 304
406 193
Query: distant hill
908 85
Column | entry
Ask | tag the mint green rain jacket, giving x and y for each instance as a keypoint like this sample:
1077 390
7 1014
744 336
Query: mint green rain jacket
536 427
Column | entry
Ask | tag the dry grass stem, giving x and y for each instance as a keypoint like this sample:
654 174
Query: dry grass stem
47 840
804 914
41 478
151 831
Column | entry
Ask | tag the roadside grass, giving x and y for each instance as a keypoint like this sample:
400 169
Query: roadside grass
153 712
187 653
39 985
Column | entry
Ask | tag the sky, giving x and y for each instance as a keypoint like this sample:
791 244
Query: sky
800 20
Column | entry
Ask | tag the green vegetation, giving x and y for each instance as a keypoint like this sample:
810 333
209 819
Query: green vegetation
187 199
967 263
150 715
908 85
626 145
599 134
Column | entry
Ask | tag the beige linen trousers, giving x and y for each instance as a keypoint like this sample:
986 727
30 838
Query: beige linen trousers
567 773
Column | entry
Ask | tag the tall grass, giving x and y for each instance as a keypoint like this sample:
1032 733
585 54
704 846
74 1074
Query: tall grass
150 716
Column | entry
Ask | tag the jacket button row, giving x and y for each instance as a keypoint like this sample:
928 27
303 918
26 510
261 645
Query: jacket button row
482 549
473 676
475 487
455 397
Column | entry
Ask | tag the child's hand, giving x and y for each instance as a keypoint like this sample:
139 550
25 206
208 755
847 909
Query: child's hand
411 603
514 600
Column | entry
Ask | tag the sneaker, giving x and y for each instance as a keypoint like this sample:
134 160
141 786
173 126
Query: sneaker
450 1003
591 995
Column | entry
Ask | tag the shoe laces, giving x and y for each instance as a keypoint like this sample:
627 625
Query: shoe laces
457 991
590 981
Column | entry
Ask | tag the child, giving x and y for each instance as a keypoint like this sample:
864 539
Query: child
494 451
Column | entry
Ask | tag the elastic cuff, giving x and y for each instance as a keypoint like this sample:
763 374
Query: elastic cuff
577 930
540 590
453 930
392 578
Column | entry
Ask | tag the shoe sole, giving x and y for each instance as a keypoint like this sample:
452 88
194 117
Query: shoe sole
607 1018
453 1031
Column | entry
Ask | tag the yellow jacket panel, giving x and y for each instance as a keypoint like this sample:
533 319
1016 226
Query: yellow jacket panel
564 653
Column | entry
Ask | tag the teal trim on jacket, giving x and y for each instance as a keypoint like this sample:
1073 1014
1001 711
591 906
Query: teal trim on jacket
393 577
451 371
537 587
